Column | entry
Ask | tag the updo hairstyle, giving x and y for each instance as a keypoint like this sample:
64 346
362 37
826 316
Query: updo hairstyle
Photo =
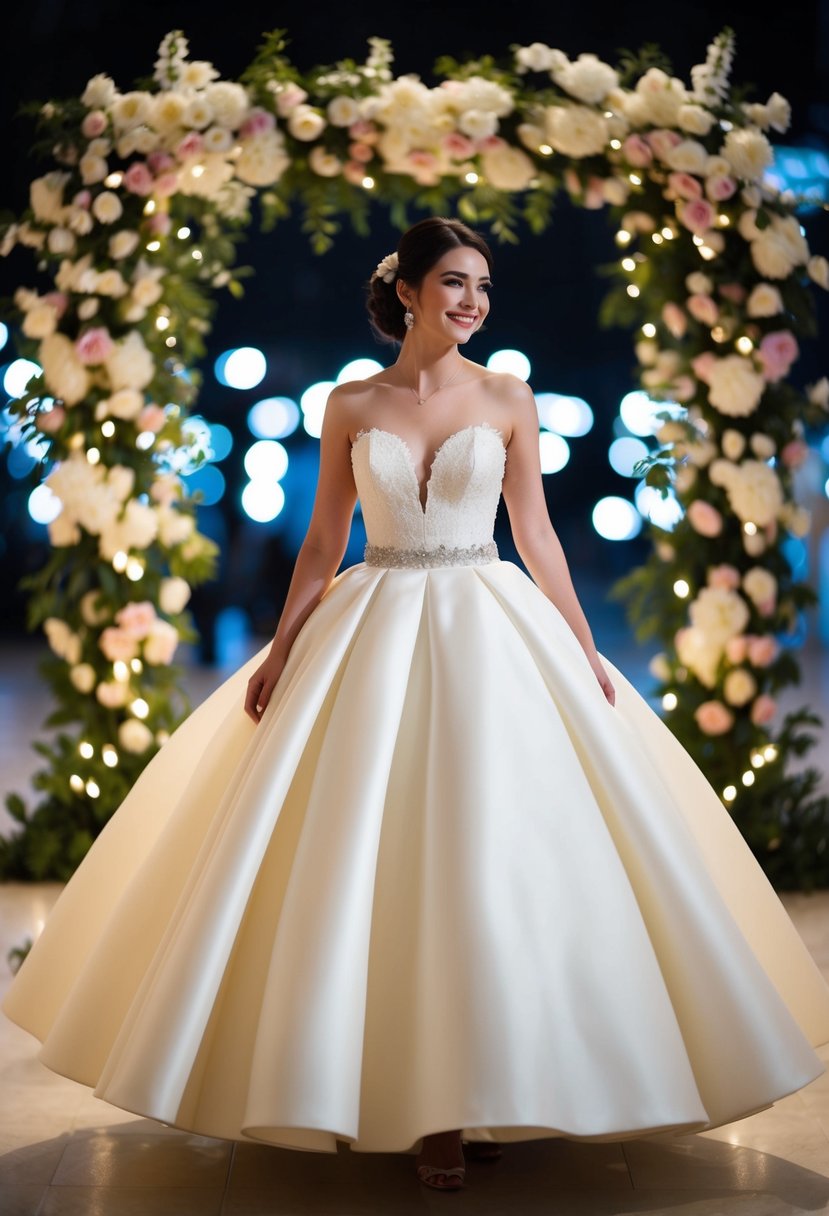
420 248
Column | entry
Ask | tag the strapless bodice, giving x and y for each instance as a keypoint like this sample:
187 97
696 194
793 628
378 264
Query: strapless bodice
462 495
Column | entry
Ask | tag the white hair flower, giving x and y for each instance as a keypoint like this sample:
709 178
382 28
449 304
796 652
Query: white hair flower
387 268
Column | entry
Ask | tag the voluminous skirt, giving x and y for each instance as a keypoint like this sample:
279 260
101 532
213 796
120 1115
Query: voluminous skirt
442 884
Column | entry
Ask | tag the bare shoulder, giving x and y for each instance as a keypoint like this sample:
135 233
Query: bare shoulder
511 399
348 404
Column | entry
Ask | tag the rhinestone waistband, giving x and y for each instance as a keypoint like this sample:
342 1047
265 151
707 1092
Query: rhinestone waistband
440 555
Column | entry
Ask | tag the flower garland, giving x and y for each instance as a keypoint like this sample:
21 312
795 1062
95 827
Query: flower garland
140 221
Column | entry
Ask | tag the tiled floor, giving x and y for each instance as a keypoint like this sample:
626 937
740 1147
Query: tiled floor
64 1153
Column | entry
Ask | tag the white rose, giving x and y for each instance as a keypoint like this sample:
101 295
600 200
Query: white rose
720 613
97 509
305 123
174 592
64 531
134 736
755 494
818 270
65 375
818 393
748 153
131 110
759 584
93 169
199 114
196 74
698 653
780 112
739 686
111 283
80 221
126 403
537 57
46 197
107 207
87 309
99 93
217 139
660 667
687 157
83 677
770 255
764 301
113 693
478 124
40 321
323 163
757 115
576 130
762 445
130 365
342 111
229 103
694 119
733 443
169 112
173 526
734 387
507 168
160 645
657 99
146 291
588 79
137 530
263 159
123 243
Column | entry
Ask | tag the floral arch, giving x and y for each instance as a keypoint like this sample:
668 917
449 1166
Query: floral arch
138 225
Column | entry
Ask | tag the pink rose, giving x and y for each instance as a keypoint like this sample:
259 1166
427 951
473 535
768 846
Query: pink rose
674 319
661 141
83 199
160 162
696 214
166 184
703 309
735 292
713 718
736 648
794 453
704 518
50 421
702 365
763 709
636 152
458 146
94 124
719 187
290 97
364 130
58 300
361 152
724 575
151 418
136 618
117 644
258 120
490 143
683 388
683 185
762 650
94 345
354 171
138 179
159 224
778 352
191 145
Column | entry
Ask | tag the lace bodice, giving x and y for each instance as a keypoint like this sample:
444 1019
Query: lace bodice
462 491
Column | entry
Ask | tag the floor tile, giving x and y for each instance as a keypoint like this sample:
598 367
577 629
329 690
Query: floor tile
150 1160
20 1200
131 1201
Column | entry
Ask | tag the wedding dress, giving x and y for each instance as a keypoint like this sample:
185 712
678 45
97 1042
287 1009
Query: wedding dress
442 884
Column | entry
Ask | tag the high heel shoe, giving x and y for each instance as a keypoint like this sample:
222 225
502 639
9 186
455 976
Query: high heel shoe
482 1150
455 1176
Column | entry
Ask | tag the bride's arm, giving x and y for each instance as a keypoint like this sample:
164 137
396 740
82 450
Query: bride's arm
533 533
320 554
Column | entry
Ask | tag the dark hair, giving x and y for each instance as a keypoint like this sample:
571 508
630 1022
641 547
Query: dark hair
419 249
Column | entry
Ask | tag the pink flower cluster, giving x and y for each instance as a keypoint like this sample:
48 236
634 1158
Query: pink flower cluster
761 649
94 345
777 352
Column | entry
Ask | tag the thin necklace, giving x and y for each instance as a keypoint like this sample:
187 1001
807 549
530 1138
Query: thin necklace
423 400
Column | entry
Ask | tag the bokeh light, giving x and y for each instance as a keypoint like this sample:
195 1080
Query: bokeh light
17 375
358 369
273 417
312 403
209 482
262 500
554 452
624 453
4 334
638 412
615 518
570 416
243 367
664 512
266 459
44 506
514 361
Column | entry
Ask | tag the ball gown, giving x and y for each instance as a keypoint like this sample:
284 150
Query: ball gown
443 883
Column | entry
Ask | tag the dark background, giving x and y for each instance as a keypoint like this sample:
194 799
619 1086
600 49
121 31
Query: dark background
306 311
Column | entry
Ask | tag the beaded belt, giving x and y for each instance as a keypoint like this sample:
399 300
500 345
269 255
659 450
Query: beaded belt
441 555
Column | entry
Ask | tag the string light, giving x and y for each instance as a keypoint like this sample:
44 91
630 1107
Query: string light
149 206
108 428
748 777
368 183
758 759
162 323
632 290
623 237
119 561
729 793
76 783
110 755
706 252
657 238
86 749
668 233
635 179
545 149
134 569
681 588
197 255
744 345
649 329
197 170
153 246
723 220
697 239
140 707
120 671
750 528
93 455
113 180
628 263
136 665
92 788
670 700
770 751
470 177
616 144
170 341
183 233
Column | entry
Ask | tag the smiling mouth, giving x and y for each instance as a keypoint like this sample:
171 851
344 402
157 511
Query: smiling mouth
462 318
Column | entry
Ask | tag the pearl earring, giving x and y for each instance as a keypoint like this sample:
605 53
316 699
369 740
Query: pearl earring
408 317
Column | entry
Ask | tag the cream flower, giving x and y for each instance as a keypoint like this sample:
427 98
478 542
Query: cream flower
83 677
734 387
263 159
748 152
342 111
134 736
130 110
694 119
229 103
100 93
65 375
305 123
587 79
576 130
765 301
174 593
507 168
130 365
107 207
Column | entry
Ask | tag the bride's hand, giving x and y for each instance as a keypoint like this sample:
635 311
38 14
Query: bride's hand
604 679
261 684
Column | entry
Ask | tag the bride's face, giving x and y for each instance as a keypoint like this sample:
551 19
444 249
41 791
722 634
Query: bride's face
453 298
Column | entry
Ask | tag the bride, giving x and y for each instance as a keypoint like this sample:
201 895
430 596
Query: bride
427 872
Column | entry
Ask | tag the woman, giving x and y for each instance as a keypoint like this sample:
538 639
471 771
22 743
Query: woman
447 879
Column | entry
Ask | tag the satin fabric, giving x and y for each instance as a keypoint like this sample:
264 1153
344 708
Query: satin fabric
442 884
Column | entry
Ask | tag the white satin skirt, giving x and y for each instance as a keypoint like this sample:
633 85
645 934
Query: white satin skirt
442 884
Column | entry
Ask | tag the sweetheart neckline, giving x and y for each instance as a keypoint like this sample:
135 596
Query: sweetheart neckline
474 426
